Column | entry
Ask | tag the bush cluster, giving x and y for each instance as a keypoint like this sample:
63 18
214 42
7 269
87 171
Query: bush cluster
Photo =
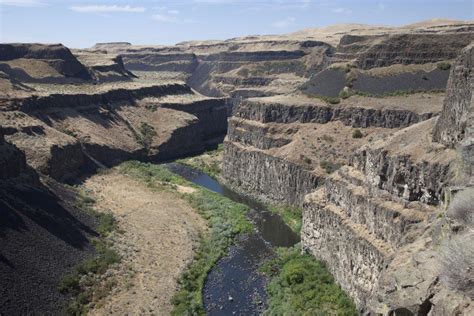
301 285
462 207
357 134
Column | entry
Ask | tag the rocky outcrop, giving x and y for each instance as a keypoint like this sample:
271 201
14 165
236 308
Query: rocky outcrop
266 177
251 133
414 48
104 67
383 200
84 99
56 56
13 163
152 61
404 174
212 115
353 255
357 117
458 106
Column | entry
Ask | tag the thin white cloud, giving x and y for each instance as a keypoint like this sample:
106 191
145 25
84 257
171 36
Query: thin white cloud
23 3
107 9
173 11
171 19
284 23
164 18
342 10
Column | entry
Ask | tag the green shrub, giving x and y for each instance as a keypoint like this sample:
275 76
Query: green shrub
443 66
344 94
145 138
329 166
330 100
301 285
357 134
106 221
210 166
327 138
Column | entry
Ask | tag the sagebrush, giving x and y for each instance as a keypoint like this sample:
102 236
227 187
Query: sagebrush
457 263
461 208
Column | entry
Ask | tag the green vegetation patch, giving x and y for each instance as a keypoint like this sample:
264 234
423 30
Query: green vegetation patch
83 283
329 166
155 176
301 285
209 162
226 219
292 216
146 135
357 133
443 66
329 100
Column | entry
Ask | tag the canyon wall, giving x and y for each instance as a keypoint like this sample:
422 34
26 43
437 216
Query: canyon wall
373 207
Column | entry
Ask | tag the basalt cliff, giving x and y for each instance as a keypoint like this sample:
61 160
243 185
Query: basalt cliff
369 131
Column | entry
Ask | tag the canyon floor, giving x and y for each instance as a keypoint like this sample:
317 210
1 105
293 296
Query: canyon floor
157 234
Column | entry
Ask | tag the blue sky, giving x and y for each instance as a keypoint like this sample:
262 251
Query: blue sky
81 23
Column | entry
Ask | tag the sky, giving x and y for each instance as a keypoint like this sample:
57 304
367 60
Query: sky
82 23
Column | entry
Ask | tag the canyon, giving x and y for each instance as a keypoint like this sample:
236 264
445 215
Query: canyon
368 130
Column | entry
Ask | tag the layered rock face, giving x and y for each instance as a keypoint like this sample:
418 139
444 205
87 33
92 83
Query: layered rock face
49 58
458 105
293 140
415 48
365 169
65 130
456 123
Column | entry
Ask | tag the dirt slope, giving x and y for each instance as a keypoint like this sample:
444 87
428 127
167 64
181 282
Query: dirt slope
159 234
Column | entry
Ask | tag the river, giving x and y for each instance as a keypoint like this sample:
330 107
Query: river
234 286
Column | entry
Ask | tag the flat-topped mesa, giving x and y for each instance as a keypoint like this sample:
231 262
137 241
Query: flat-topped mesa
41 63
104 67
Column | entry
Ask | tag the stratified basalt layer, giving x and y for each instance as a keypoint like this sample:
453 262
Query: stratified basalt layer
458 109
417 48
256 134
266 177
266 110
151 61
353 255
64 134
73 100
411 168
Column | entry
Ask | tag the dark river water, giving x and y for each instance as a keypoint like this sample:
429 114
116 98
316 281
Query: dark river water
234 286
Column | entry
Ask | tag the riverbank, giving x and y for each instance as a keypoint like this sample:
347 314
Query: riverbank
225 220
158 237
188 250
